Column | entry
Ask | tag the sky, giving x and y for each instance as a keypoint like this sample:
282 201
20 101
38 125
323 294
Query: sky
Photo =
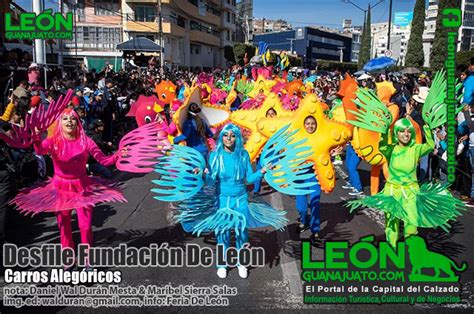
328 13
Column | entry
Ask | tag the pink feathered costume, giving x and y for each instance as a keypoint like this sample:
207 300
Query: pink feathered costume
71 187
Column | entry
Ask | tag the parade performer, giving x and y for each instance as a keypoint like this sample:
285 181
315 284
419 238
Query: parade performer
314 205
194 120
71 187
69 147
430 205
323 135
230 169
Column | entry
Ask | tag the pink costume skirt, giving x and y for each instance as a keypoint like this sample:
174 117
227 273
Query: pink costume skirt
59 193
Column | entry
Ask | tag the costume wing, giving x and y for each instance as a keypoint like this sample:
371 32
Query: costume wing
373 114
41 118
287 157
434 109
18 137
178 181
144 145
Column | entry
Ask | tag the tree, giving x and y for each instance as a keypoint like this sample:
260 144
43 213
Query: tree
229 54
439 51
463 59
239 52
415 56
364 54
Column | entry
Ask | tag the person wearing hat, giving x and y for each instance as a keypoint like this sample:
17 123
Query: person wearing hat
413 111
34 74
78 99
87 92
96 107
195 131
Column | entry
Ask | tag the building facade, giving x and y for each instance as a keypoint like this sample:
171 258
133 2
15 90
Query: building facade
399 37
466 31
244 20
98 29
310 43
430 29
356 33
261 26
195 32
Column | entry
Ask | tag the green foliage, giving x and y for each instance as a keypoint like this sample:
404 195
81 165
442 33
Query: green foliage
364 54
415 55
463 59
229 54
329 65
239 52
439 51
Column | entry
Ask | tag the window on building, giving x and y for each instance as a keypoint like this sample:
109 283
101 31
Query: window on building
80 9
195 49
213 10
96 38
181 21
193 25
144 13
107 7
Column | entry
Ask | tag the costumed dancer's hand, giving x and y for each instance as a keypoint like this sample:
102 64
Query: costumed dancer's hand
197 170
409 109
266 168
427 128
124 152
159 119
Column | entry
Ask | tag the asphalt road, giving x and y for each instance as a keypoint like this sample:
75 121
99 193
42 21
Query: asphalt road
143 221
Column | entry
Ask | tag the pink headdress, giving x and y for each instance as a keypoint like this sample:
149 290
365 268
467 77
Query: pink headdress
58 136
204 78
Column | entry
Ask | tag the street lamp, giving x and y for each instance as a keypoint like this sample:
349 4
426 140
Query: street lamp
364 10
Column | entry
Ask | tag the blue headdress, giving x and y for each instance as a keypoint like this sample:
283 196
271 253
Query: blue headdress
240 155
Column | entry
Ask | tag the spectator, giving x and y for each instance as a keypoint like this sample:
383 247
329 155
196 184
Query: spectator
106 147
469 85
22 90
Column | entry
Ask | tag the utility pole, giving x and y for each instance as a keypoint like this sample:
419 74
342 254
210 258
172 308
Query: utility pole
61 58
247 30
389 24
263 25
75 37
39 56
160 29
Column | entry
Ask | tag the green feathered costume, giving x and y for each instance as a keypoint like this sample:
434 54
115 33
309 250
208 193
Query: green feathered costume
430 205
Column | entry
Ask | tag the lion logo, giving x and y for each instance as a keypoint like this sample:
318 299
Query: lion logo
421 259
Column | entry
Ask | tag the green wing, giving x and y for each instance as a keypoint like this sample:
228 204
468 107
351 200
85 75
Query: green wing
373 114
434 109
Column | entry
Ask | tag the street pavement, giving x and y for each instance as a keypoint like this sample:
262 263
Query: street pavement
144 220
